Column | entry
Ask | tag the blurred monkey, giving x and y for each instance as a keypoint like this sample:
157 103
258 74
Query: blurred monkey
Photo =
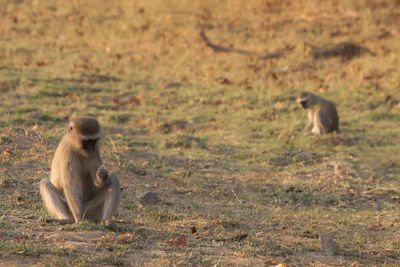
322 114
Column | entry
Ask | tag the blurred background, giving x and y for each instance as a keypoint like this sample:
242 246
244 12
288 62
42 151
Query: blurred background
217 133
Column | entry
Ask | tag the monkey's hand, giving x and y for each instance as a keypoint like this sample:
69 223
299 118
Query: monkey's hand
101 177
102 174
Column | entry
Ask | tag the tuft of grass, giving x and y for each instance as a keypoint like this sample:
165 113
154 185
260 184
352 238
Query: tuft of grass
22 247
84 226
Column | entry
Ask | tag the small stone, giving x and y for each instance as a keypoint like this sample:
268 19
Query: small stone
327 244
124 118
149 198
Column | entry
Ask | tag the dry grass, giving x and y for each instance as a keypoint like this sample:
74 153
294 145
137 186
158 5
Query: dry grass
217 135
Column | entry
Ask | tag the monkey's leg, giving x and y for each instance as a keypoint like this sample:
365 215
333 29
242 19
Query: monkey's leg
309 125
105 203
326 123
318 128
113 196
54 201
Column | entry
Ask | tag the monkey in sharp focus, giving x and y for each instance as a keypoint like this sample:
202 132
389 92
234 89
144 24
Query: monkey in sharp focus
322 114
79 187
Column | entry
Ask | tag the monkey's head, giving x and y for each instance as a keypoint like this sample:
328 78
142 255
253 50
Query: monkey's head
306 100
86 132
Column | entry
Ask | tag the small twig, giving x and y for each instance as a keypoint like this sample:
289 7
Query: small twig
236 196
239 237
113 144
240 51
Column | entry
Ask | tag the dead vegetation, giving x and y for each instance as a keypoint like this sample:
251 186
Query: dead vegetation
217 136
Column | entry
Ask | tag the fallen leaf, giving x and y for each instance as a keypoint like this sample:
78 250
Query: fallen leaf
8 153
145 26
193 230
374 227
132 100
71 95
125 238
41 63
178 241
91 81
145 163
135 99
225 81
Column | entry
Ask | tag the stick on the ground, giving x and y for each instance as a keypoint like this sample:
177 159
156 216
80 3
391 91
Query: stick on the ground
235 238
240 51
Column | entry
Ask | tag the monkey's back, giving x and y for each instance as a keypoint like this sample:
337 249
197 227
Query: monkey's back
62 157
330 116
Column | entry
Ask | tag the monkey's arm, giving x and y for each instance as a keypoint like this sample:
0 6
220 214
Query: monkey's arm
72 193
102 182
96 201
310 123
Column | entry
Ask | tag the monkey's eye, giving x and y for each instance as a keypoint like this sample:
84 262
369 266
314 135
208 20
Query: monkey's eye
70 128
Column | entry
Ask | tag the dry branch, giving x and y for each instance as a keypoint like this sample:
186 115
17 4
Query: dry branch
240 51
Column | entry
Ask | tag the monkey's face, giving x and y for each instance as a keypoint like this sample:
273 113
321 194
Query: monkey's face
89 146
306 100
304 103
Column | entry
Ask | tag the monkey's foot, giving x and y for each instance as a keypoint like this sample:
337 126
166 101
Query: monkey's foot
109 224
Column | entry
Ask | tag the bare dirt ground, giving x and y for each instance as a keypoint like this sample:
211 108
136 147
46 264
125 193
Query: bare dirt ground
217 134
